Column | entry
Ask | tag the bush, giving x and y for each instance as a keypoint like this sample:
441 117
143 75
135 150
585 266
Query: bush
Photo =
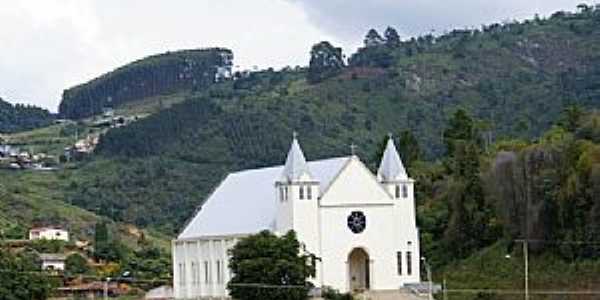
333 294
76 265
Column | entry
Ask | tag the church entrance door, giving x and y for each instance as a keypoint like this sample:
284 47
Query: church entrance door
358 268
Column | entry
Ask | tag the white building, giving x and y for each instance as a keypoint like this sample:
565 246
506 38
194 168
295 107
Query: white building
53 262
362 226
48 233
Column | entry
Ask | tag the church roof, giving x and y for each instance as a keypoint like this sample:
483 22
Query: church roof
295 164
246 201
391 167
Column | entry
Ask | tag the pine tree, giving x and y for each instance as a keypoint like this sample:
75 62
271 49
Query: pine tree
373 39
325 61
392 38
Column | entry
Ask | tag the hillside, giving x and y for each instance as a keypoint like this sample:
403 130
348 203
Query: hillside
152 76
19 117
503 75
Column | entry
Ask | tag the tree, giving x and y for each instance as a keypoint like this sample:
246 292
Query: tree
21 277
373 39
460 127
392 38
571 118
107 247
409 148
265 259
75 264
325 61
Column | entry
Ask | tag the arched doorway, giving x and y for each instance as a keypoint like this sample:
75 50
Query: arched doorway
358 269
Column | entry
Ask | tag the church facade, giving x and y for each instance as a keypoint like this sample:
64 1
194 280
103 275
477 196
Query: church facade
361 225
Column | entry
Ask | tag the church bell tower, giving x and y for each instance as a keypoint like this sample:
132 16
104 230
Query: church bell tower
393 177
298 199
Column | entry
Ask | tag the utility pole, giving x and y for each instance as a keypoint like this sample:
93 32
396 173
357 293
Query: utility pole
445 289
428 269
526 257
106 288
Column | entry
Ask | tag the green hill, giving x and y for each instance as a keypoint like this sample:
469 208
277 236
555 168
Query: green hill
19 117
504 75
152 76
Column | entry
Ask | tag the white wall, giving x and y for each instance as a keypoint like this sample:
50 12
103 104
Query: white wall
195 271
53 265
390 226
49 234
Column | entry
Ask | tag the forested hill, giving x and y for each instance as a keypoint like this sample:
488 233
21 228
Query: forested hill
504 74
19 117
155 75
514 78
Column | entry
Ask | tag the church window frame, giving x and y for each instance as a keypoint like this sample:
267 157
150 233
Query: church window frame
309 192
285 194
281 199
193 273
397 191
206 272
408 263
301 192
218 271
182 274
357 222
399 262
404 191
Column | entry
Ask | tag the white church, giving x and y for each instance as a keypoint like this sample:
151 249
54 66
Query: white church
362 226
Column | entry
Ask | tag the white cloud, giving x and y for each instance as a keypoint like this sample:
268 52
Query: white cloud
349 18
51 45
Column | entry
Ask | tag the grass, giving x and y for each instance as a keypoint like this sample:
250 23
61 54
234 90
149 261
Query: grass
29 197
150 105
491 269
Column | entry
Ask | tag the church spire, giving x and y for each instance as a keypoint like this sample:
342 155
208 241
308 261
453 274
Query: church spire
391 167
295 164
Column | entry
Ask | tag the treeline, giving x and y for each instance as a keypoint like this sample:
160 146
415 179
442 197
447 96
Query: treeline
545 191
151 76
20 117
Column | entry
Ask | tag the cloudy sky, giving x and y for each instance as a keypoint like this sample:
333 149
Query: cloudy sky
49 45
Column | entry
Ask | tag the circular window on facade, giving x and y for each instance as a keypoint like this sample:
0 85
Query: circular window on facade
357 222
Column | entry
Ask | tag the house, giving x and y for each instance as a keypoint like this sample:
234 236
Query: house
53 262
361 226
48 233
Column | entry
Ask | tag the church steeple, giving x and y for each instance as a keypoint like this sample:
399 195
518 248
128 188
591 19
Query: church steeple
295 164
391 167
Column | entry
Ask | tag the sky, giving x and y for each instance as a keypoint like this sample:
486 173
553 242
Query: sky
47 46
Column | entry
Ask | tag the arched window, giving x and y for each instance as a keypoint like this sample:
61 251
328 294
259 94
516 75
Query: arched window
397 194
301 195
309 192
404 191
281 194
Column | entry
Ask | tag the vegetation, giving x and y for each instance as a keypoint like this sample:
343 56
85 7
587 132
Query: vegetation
20 277
76 264
152 76
268 267
19 117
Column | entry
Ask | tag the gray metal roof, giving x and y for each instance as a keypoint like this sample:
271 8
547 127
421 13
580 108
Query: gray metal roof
391 167
246 201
